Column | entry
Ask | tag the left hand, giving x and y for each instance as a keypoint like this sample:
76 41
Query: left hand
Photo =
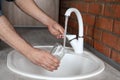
56 30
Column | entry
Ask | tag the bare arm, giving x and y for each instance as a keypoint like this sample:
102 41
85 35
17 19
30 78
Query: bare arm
8 34
33 10
39 57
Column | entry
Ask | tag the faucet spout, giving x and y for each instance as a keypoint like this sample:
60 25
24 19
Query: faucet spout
77 44
79 17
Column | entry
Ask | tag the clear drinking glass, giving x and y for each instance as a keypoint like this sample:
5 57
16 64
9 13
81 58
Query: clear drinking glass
58 51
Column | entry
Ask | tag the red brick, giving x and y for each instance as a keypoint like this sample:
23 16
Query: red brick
109 39
85 29
100 0
88 19
72 21
73 4
104 23
117 46
90 0
72 26
113 42
88 40
73 16
116 28
74 29
112 10
82 7
102 48
96 8
90 31
97 34
116 56
112 0
109 0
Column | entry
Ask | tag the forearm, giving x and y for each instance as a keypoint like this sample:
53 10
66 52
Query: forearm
9 35
29 7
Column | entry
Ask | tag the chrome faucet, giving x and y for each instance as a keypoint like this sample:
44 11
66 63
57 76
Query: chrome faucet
77 44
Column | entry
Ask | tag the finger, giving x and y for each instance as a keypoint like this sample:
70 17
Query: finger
45 67
53 61
60 36
49 64
56 34
61 31
53 58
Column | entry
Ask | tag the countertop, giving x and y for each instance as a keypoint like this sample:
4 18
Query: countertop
43 37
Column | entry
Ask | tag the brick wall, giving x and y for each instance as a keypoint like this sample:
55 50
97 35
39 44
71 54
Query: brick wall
101 20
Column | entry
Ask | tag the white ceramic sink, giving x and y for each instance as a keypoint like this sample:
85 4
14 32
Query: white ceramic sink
72 67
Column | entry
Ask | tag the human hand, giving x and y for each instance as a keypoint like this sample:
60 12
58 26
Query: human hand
43 59
56 30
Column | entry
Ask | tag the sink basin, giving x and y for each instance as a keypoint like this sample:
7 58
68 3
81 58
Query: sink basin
72 67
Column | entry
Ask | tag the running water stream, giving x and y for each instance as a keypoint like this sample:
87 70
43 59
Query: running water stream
64 40
58 50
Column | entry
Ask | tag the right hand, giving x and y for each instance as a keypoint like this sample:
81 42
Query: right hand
43 59
56 30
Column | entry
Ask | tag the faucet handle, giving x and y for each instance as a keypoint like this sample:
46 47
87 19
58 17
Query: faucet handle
70 37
